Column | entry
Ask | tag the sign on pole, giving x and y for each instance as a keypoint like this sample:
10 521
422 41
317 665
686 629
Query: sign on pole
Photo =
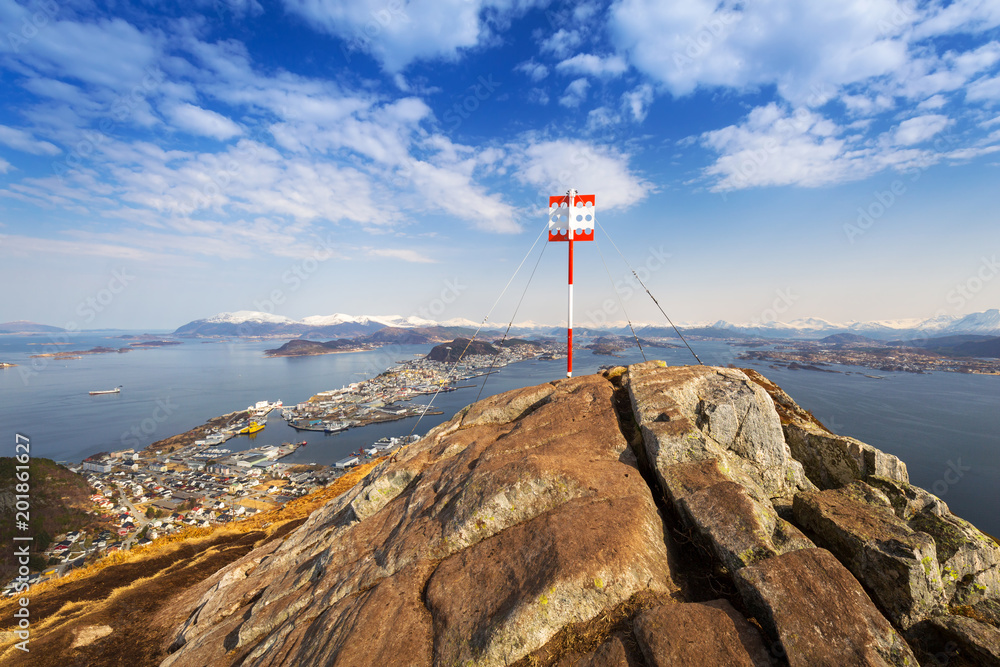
571 218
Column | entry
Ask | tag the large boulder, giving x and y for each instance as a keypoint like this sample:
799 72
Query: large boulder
821 615
969 559
899 565
829 460
475 546
967 641
738 529
699 634
701 412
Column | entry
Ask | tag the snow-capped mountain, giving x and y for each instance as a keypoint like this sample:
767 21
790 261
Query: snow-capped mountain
254 323
243 316
987 322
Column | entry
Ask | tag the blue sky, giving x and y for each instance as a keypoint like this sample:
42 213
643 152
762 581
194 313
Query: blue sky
770 159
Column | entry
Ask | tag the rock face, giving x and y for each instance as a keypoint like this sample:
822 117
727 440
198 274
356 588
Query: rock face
594 521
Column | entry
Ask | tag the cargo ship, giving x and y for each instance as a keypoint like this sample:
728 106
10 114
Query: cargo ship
116 390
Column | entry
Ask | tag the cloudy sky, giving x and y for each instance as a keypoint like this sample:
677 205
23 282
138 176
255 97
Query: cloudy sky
754 160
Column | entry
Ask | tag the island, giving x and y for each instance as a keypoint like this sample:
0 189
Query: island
910 357
309 348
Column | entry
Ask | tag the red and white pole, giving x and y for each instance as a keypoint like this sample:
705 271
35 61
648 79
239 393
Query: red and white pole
564 229
569 321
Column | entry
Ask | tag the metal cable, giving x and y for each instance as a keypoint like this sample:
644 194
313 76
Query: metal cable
483 323
518 307
676 330
620 302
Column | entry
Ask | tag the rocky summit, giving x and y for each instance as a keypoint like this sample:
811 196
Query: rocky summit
649 515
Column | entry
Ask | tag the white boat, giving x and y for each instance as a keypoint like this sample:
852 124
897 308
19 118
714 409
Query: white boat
116 390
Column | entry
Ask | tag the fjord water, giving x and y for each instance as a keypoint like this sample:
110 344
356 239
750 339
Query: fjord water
945 426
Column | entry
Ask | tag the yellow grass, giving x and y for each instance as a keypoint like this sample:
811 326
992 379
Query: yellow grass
267 522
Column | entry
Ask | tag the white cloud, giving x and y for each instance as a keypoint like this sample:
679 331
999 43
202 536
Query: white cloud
539 96
203 122
4 166
637 101
109 53
600 118
23 141
985 89
935 102
398 33
959 16
919 129
775 147
554 166
535 71
402 254
795 46
591 65
561 43
575 94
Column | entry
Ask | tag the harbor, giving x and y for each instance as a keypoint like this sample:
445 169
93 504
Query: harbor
387 397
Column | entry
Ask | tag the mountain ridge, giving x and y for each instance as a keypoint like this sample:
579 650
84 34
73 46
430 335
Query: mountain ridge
254 323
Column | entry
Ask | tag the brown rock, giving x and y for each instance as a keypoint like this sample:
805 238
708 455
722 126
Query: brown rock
738 529
819 612
964 640
969 559
495 601
830 461
700 412
988 611
699 634
543 492
897 564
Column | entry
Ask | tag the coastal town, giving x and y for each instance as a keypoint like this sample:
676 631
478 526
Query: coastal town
206 476
814 355
379 399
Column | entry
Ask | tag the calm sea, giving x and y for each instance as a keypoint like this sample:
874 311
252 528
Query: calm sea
946 426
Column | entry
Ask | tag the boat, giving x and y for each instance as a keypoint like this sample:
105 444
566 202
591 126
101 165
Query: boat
251 429
116 390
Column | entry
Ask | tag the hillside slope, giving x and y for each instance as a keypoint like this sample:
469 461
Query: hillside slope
59 502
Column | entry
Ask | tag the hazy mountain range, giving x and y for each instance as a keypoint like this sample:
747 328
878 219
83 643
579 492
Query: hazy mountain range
249 323
252 323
